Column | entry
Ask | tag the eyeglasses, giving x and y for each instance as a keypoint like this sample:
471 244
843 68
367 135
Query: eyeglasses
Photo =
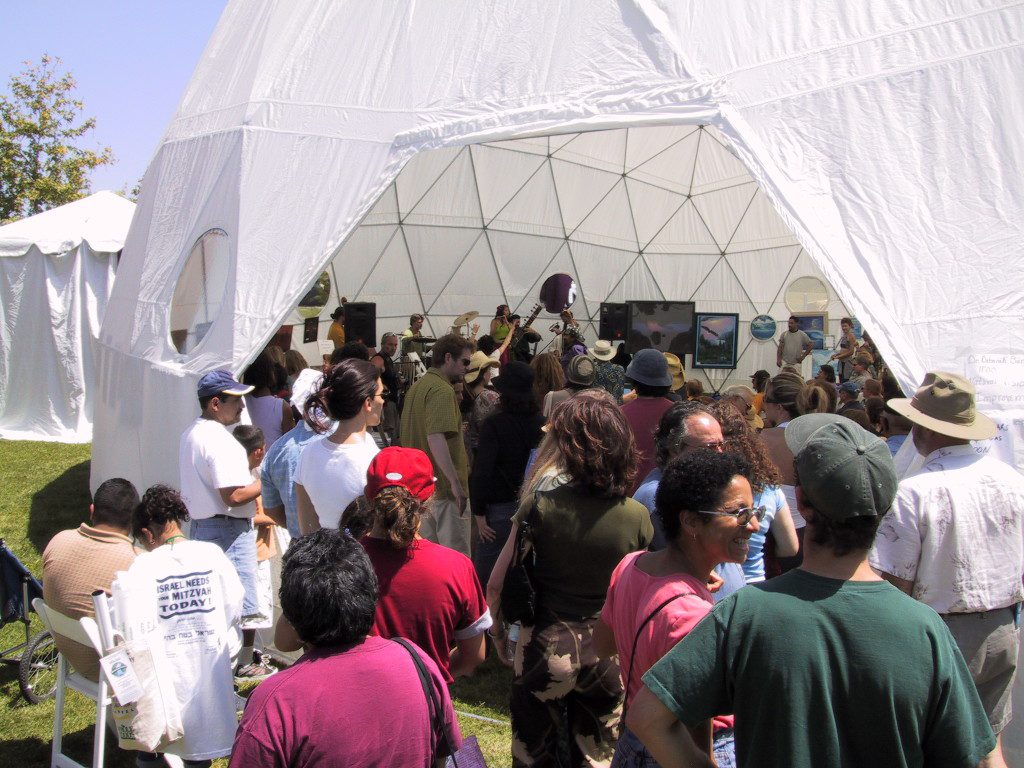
714 445
383 393
743 515
466 361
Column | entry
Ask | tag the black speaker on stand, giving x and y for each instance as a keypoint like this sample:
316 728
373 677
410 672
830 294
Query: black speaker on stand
361 322
614 322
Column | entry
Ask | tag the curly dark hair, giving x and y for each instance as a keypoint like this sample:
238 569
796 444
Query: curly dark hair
741 441
693 481
595 444
160 505
328 588
398 513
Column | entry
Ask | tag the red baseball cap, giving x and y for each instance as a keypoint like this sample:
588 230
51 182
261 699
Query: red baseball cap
407 467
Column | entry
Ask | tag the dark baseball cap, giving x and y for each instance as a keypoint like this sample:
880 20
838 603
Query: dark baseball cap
843 469
221 383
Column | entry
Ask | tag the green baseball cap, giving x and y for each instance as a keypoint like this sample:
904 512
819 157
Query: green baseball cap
843 469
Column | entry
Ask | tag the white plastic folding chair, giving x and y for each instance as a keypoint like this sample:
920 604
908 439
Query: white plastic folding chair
59 624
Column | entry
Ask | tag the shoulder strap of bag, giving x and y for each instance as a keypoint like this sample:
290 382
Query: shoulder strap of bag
632 655
434 710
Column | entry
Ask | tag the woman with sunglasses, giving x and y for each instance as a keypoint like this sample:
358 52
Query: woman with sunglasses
331 472
705 503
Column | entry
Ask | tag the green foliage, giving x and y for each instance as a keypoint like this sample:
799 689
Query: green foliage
40 165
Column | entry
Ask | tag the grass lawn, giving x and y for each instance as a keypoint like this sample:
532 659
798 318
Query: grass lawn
44 488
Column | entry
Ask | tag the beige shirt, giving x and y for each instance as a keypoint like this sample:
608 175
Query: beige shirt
75 564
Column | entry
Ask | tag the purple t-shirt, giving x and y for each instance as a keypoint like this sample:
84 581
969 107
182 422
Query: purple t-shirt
643 415
364 706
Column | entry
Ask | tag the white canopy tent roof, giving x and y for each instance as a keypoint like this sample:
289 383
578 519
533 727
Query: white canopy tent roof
880 138
56 274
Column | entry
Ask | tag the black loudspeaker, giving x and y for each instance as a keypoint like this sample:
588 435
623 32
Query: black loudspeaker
614 325
361 322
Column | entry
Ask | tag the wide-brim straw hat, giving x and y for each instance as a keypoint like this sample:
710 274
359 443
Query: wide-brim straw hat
602 350
945 403
478 363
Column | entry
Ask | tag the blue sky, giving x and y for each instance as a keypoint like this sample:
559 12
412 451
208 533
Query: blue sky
132 61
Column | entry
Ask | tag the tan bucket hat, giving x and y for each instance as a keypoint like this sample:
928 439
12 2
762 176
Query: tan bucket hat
944 403
675 367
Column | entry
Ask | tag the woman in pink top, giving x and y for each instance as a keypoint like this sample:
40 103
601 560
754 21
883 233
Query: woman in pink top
655 598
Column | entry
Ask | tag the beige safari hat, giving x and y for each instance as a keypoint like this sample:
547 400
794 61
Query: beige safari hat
944 403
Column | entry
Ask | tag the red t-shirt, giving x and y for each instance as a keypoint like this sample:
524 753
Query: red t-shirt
643 415
364 706
428 594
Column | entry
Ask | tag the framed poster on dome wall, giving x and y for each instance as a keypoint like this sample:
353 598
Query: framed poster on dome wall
716 340
815 325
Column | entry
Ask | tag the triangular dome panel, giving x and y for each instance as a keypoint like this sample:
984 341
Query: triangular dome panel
679 274
437 253
721 292
580 190
392 281
358 256
652 209
600 268
610 223
645 143
716 167
605 150
420 173
522 260
722 210
761 227
637 284
474 286
452 200
685 232
533 210
764 274
672 168
500 174
385 210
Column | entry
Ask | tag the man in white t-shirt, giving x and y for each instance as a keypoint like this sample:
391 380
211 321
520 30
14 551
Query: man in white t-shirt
954 538
794 345
217 485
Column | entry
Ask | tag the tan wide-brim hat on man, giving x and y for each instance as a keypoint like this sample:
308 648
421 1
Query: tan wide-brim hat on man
944 403
602 350
675 367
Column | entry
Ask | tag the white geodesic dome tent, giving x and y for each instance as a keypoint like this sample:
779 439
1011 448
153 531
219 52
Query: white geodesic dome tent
632 214
56 274
881 139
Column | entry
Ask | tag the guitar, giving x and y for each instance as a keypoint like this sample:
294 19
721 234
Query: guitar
517 334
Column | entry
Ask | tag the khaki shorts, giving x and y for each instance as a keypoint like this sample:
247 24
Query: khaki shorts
989 643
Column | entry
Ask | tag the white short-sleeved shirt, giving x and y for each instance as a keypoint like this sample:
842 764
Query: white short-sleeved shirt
209 458
333 475
188 595
956 529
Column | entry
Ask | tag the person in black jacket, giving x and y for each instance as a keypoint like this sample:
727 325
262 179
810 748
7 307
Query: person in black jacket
505 442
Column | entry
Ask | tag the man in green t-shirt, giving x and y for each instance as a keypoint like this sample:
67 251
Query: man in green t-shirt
431 421
827 665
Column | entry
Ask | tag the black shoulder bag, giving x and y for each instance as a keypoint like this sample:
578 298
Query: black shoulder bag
469 754
632 657
518 592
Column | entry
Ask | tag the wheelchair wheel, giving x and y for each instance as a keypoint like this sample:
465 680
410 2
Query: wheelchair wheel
37 671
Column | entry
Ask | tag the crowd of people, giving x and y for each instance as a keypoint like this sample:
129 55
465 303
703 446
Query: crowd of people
762 575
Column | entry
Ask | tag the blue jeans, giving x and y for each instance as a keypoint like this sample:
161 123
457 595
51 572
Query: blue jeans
499 517
237 537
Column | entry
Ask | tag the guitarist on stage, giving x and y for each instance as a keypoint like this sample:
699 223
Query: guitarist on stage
522 337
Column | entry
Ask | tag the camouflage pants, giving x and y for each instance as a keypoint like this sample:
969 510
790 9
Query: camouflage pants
560 686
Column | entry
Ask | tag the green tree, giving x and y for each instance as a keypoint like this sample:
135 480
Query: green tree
40 122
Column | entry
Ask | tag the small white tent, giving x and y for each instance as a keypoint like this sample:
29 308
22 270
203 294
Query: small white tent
882 138
56 274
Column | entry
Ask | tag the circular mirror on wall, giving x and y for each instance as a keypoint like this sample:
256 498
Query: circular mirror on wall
199 292
807 294
313 303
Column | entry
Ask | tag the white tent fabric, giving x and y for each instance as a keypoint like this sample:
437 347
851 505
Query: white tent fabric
56 275
880 135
